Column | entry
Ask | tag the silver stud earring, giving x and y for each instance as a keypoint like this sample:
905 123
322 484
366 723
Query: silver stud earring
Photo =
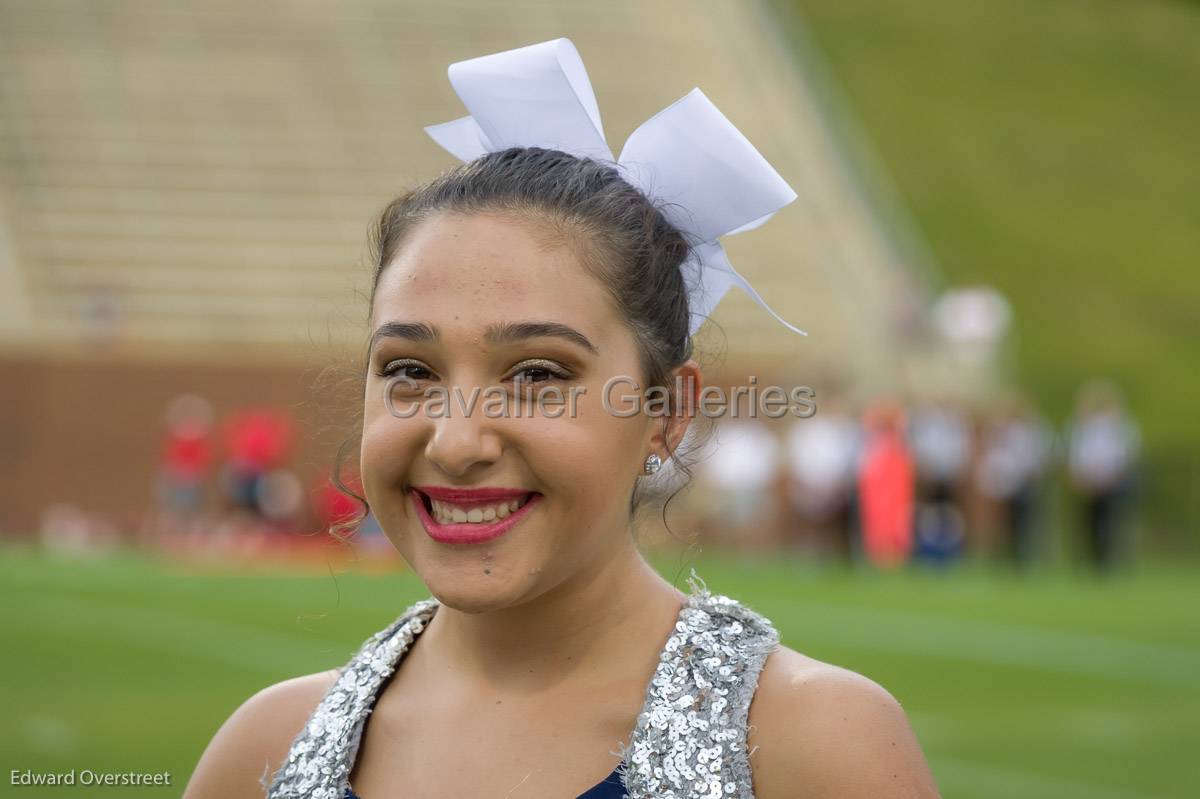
652 463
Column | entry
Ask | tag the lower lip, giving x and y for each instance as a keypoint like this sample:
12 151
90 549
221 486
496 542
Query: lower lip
466 532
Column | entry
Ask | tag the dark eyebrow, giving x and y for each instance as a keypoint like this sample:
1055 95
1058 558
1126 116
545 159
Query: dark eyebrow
412 331
518 331
502 332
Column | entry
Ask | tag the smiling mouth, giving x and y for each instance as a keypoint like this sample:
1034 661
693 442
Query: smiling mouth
479 523
472 513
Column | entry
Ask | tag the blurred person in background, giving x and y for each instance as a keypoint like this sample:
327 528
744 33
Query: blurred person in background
886 486
257 441
187 453
337 513
821 458
334 509
279 498
1015 451
940 436
1103 443
741 475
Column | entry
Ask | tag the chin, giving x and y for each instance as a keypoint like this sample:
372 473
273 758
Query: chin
470 590
484 600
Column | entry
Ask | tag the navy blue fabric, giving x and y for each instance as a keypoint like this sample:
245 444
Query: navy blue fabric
608 788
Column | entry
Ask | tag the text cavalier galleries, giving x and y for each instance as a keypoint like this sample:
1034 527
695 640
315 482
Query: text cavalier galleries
405 398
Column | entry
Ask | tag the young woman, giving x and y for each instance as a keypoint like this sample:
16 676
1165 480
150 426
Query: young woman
551 661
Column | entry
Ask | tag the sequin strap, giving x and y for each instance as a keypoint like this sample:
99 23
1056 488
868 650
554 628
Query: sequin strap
322 755
690 739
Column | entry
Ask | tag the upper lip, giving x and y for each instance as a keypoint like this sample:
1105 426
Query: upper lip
472 496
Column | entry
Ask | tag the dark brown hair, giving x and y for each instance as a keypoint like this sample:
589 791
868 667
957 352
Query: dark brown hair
619 235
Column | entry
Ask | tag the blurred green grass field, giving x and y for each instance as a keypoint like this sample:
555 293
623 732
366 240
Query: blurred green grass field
1057 685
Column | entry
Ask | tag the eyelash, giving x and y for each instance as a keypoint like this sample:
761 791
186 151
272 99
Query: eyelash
556 373
392 367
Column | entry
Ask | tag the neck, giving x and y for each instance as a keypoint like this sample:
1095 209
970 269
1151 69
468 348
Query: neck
586 626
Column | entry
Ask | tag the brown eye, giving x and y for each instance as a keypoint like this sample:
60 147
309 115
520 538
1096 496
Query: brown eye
540 372
409 369
537 374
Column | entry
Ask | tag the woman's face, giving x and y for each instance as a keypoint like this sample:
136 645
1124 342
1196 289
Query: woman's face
468 305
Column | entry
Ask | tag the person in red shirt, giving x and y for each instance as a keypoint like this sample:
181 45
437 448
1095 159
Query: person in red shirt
187 452
886 479
257 440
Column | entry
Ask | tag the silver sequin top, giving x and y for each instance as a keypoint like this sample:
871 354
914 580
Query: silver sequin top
689 740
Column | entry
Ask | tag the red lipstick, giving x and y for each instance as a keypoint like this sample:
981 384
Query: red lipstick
469 532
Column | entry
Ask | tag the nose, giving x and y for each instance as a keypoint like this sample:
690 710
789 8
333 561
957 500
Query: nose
461 442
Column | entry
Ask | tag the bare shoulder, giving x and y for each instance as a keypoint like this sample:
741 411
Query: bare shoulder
820 730
254 740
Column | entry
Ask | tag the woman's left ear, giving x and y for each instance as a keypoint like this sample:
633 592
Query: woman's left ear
684 384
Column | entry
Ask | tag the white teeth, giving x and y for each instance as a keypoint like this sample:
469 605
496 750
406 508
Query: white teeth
445 513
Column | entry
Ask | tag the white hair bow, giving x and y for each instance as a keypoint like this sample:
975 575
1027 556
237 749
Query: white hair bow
689 155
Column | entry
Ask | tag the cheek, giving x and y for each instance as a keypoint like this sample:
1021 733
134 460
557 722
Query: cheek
586 458
389 446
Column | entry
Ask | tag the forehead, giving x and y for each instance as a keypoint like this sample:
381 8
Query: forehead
465 271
